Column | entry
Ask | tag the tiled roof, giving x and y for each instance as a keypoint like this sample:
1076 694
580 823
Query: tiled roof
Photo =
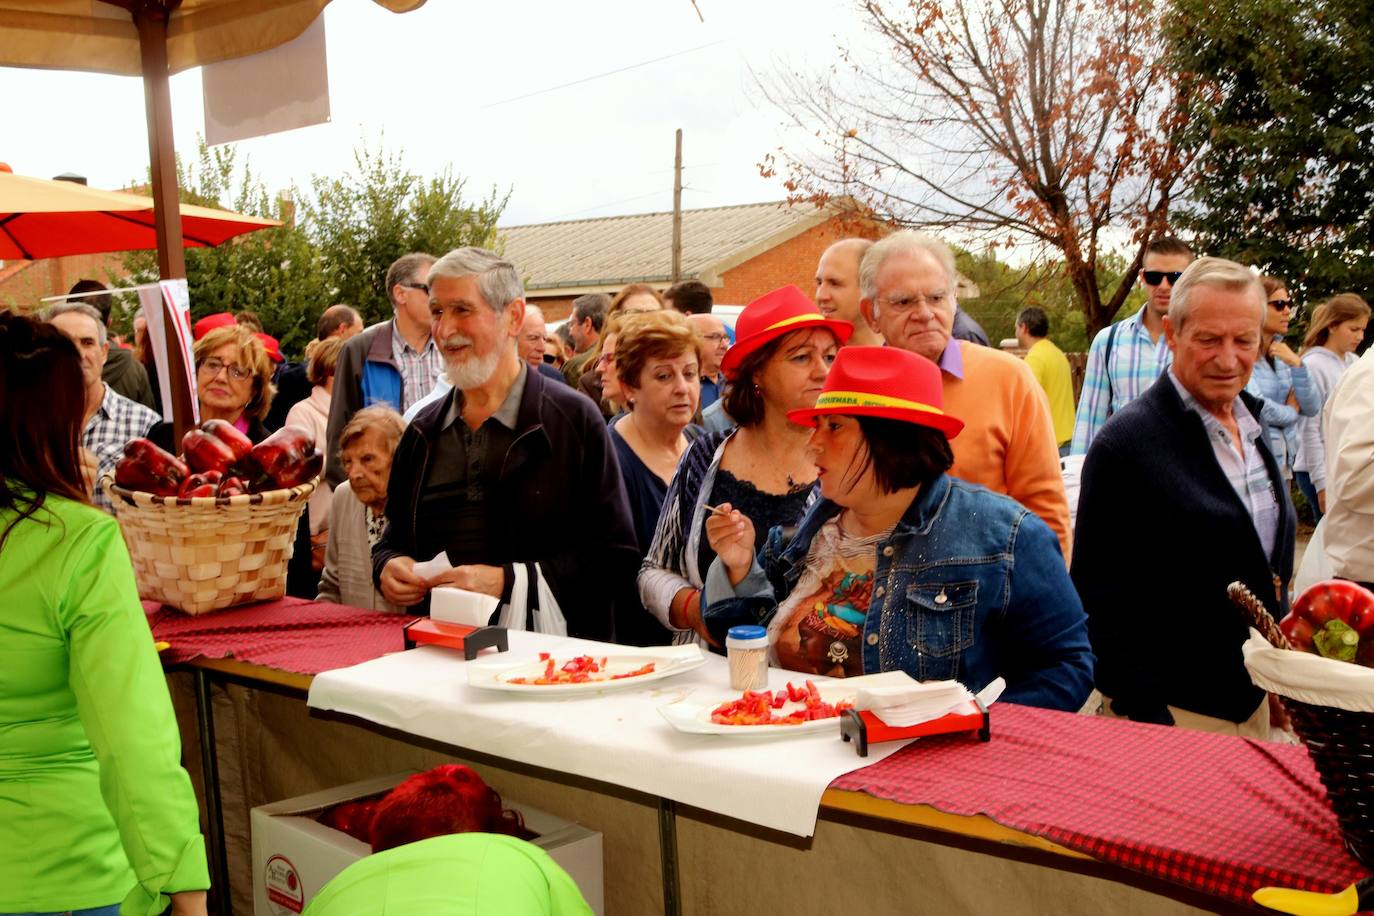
612 251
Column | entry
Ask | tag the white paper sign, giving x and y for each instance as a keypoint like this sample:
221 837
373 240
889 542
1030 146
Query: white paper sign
276 90
174 296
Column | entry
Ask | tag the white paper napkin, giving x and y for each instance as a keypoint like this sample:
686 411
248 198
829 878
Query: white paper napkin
457 605
902 701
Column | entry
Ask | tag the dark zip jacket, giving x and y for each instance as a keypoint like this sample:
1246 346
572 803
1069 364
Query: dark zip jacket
560 502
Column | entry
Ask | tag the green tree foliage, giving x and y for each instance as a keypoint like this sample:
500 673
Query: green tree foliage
366 219
1281 105
334 246
1005 290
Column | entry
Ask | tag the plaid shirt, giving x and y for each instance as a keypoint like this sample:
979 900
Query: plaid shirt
1245 469
419 370
114 423
1137 362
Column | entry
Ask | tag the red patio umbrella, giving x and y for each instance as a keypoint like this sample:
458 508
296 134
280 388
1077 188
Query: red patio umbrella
48 219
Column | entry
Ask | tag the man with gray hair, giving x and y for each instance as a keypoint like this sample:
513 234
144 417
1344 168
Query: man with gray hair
111 419
907 286
1182 496
533 334
485 479
395 362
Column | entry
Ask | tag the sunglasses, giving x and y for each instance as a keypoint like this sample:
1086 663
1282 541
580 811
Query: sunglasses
1282 305
550 358
1155 277
422 287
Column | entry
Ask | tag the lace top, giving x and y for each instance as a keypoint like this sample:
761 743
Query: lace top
765 510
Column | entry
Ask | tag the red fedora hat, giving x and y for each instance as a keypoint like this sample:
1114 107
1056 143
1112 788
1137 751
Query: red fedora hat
772 315
883 382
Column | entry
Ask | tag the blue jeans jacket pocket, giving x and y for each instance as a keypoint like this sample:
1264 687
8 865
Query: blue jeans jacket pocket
941 618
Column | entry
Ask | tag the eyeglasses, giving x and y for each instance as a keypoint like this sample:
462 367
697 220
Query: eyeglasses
214 366
715 338
550 358
906 302
1283 305
422 287
1155 277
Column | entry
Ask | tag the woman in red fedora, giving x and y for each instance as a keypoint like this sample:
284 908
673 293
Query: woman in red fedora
900 566
782 353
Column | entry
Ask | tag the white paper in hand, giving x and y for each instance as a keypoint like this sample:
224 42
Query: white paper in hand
433 569
456 605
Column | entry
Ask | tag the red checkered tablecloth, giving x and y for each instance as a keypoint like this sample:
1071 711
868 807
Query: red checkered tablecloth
1218 814
290 634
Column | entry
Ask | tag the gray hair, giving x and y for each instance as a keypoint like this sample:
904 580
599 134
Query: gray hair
536 311
1212 272
904 242
80 308
496 278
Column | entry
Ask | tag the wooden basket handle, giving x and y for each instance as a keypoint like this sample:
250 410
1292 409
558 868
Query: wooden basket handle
1255 614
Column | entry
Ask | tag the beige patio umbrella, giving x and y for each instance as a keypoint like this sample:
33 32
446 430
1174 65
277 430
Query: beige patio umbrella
154 38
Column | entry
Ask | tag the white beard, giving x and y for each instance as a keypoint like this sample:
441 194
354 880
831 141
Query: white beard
474 372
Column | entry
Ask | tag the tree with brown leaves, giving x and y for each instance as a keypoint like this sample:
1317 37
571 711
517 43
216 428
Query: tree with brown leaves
1041 121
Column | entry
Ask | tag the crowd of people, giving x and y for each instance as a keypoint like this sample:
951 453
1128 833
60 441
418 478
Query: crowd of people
858 471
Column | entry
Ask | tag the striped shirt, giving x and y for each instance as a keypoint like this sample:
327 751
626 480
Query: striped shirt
1245 469
1136 363
420 369
114 423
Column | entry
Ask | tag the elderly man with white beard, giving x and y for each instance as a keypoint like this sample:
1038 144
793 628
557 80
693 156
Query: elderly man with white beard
509 478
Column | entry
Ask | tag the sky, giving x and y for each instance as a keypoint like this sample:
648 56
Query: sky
474 87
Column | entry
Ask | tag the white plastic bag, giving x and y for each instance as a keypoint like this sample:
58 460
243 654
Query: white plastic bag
547 616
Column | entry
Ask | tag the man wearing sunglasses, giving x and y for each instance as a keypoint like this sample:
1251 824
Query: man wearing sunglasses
394 363
1127 358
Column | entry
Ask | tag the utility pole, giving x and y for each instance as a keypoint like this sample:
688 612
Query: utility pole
677 210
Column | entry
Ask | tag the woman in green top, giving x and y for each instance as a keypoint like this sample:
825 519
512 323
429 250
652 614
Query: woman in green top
96 813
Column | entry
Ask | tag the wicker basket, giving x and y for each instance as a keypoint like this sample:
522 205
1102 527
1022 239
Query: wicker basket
203 554
1339 741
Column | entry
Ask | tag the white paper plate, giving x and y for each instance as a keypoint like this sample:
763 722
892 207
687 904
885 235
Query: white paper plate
497 674
694 717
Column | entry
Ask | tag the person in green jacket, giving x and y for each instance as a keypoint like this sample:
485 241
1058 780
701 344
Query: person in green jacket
461 874
96 813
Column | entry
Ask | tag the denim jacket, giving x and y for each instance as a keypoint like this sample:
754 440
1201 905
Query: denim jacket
969 585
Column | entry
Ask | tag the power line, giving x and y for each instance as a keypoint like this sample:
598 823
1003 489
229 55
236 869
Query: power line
588 79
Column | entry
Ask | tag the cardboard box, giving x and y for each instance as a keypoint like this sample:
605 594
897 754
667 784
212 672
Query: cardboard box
294 855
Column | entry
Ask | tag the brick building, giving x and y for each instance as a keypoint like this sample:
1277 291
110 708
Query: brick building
740 252
24 284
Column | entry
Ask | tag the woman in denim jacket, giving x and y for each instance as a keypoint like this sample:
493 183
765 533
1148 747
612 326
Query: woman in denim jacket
1281 378
900 566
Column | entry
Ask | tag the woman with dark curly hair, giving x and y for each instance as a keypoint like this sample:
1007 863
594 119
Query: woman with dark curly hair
95 809
783 350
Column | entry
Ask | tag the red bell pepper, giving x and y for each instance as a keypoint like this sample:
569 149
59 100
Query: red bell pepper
1334 619
148 468
287 458
229 434
205 453
201 484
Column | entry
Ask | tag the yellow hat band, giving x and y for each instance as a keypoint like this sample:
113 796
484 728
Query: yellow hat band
834 399
796 319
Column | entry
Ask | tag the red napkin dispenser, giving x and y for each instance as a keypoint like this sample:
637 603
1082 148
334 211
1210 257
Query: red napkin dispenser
469 640
864 727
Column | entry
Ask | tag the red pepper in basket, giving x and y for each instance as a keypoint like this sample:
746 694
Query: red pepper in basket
1334 619
229 434
206 453
148 468
201 484
287 457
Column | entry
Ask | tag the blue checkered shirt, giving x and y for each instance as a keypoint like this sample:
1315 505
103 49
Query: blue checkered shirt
114 423
1137 362
1245 469
419 369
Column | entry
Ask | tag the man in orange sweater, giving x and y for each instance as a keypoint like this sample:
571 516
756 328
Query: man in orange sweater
1007 445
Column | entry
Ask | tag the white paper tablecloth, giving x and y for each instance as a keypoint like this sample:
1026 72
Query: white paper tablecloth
617 736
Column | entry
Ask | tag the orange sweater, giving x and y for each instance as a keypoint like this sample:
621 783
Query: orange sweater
1007 443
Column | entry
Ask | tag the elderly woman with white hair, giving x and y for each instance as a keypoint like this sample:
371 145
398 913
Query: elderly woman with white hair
357 509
